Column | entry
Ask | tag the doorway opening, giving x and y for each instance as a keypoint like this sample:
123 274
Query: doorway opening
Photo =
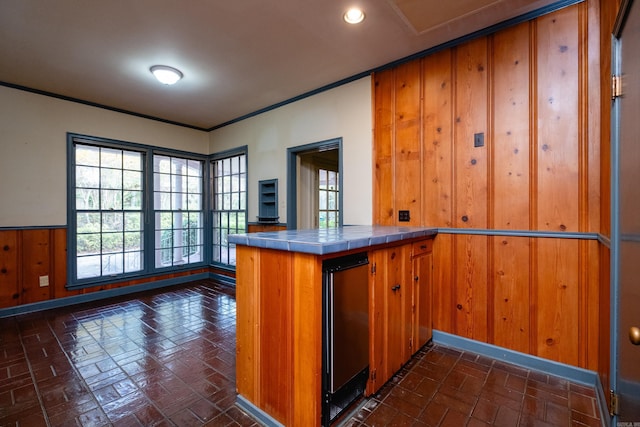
314 185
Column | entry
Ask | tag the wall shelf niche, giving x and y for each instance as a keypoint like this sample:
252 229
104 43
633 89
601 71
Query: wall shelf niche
268 201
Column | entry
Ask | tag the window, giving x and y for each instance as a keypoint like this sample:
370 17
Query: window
108 211
177 200
229 186
328 196
134 210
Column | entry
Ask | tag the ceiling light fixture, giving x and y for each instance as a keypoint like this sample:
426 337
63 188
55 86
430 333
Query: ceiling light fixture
166 75
354 16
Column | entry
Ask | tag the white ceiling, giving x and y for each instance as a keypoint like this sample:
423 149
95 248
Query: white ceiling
237 56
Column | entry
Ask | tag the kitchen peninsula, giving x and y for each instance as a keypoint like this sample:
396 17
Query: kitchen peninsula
279 297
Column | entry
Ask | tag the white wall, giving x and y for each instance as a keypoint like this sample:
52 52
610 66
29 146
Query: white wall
33 153
343 112
33 144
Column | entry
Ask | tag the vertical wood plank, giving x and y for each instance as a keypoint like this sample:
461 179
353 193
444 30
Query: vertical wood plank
591 91
383 148
422 267
408 152
35 263
471 118
510 193
603 359
307 339
558 300
510 142
471 286
444 306
9 280
377 330
437 140
395 275
511 297
471 189
594 306
558 119
607 12
247 315
59 263
276 331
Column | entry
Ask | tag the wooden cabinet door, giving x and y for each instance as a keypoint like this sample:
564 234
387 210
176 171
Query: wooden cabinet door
422 288
398 309
377 323
390 314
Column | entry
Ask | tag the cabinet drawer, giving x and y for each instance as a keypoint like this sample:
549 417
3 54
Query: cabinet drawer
421 247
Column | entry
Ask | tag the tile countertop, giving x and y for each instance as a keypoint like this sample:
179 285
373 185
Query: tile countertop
330 240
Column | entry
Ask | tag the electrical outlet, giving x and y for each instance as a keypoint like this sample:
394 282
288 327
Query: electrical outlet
403 216
44 281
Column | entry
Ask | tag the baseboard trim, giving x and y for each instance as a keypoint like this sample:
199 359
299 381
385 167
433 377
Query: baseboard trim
571 373
256 413
99 295
528 361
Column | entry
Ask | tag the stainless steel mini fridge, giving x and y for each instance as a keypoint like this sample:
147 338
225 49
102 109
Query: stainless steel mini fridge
346 333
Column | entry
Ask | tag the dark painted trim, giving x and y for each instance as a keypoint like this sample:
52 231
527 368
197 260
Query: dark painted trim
98 295
572 373
621 18
116 143
606 241
520 233
483 32
244 149
148 151
102 106
225 280
33 227
256 413
292 181
455 42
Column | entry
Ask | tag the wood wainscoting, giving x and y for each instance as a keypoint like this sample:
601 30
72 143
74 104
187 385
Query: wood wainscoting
256 228
27 254
502 133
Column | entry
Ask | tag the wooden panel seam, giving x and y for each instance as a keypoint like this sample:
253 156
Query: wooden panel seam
583 181
489 144
533 186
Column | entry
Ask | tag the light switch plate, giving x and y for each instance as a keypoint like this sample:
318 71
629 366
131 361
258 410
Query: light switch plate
44 281
478 140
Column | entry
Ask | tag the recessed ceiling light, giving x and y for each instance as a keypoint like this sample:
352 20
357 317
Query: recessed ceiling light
354 16
166 75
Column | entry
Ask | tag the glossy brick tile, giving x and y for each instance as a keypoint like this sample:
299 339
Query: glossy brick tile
447 387
167 358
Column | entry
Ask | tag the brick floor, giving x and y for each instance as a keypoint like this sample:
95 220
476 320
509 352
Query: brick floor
167 357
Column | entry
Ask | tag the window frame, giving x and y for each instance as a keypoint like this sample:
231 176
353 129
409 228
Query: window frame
235 152
148 212
202 211
328 192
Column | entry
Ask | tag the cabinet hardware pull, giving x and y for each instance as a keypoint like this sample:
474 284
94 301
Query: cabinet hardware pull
395 288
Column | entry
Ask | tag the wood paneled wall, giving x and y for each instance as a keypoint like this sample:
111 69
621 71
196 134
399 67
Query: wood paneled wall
533 92
25 256
28 254
256 228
